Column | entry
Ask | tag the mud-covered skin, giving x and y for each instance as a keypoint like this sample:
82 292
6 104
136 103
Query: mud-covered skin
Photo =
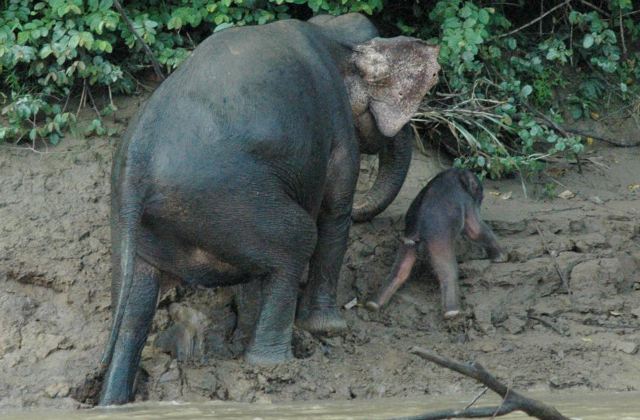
443 210
243 165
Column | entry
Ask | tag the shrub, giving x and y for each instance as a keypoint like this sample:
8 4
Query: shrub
507 77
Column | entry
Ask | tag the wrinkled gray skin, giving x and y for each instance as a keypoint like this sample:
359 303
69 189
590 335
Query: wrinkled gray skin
242 166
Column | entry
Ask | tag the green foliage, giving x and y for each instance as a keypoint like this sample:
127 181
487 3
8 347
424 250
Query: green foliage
30 118
505 86
55 48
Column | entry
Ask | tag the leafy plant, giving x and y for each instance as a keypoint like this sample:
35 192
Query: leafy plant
503 94
509 76
51 50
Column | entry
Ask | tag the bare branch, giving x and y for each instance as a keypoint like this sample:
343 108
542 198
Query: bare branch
512 401
594 7
145 47
542 16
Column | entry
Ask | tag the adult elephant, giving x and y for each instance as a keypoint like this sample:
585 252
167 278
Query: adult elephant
243 164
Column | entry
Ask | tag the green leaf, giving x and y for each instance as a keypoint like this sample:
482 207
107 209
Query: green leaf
45 51
483 16
223 26
465 12
526 90
588 40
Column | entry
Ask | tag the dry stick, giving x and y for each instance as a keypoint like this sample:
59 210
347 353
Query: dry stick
600 138
93 104
565 131
512 401
475 400
542 16
540 21
624 46
82 96
145 47
546 324
565 282
594 7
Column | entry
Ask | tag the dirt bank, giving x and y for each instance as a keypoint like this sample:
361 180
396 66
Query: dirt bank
520 322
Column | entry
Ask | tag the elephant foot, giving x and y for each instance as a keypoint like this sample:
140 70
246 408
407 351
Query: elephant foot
323 321
262 357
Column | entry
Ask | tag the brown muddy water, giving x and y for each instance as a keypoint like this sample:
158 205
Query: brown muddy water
583 406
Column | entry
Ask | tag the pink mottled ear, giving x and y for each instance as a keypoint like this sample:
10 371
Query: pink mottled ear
398 72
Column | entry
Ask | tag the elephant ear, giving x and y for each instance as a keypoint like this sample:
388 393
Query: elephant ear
472 185
397 72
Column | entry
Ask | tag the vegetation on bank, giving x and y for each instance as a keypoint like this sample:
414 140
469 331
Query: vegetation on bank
512 71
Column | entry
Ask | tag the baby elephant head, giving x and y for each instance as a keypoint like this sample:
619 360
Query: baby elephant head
396 73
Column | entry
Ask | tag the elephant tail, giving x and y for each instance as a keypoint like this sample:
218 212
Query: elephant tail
129 214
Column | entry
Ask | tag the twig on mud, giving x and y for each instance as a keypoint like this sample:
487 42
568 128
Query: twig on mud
565 282
542 16
512 400
558 210
156 66
547 324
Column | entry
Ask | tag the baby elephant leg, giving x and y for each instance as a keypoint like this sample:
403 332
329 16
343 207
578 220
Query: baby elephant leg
478 231
405 260
443 261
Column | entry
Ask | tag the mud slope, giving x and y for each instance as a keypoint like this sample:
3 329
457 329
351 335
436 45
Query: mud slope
520 321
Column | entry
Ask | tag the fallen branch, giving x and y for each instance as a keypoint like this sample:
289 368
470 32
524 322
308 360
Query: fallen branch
512 400
145 47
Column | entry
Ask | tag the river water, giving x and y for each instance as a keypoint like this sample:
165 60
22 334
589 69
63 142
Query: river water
584 406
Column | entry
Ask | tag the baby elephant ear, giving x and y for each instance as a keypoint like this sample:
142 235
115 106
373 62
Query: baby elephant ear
398 73
472 184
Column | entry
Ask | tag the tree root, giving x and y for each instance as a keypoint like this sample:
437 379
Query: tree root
511 400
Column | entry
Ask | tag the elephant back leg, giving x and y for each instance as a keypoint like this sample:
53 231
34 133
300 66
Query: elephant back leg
286 250
136 322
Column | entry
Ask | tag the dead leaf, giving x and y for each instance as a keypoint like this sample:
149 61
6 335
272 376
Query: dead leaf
566 194
353 302
634 187
506 195
495 193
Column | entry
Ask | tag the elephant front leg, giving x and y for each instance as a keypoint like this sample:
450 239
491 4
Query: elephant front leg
117 387
318 310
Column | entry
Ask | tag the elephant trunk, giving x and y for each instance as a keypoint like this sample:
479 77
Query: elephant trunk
394 160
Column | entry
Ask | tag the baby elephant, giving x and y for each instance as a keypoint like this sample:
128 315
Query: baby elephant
448 206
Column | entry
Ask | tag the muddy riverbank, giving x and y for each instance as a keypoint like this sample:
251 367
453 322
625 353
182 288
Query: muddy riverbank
520 321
